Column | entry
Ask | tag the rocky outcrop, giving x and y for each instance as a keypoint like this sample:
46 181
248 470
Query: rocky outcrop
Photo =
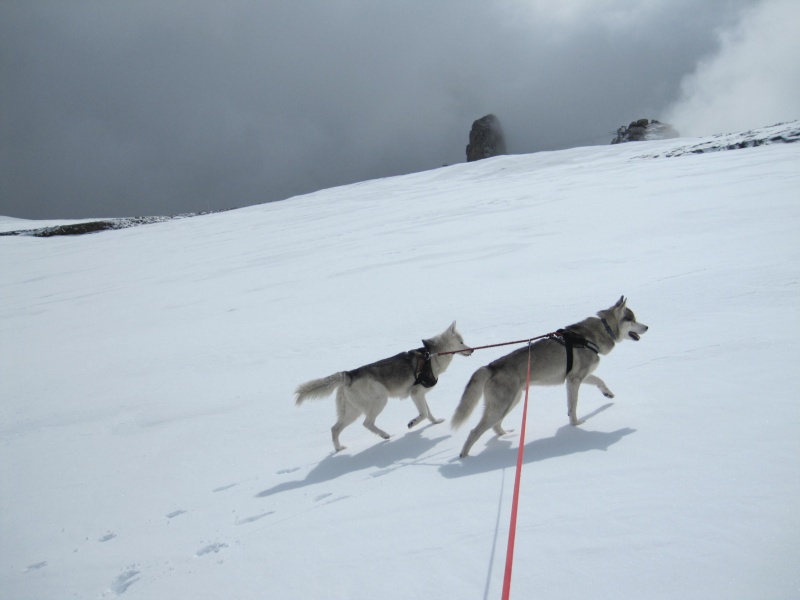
85 227
644 130
781 133
486 139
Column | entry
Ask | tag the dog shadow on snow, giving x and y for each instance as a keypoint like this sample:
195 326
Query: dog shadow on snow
413 448
380 459
568 440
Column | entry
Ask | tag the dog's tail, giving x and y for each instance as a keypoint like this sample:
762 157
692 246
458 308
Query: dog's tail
319 388
469 399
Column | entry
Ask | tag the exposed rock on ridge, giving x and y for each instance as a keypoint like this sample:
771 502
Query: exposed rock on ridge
644 130
486 139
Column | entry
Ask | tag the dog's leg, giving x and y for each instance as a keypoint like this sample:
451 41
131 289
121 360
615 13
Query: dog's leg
418 396
495 410
573 385
346 413
601 385
482 427
374 409
498 428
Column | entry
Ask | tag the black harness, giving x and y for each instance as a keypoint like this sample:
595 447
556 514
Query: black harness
571 340
423 368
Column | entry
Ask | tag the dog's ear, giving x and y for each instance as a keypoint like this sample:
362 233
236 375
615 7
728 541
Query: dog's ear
428 345
452 327
619 308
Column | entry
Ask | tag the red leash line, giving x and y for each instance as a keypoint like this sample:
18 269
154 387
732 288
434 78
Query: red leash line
512 528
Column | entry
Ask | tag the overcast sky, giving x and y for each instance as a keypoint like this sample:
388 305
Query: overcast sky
139 107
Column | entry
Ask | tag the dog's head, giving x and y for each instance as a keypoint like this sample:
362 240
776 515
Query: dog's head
450 340
625 321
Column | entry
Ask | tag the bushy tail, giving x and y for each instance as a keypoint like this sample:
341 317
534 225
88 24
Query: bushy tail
472 394
319 388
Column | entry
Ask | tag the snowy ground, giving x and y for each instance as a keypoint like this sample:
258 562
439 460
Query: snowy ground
150 446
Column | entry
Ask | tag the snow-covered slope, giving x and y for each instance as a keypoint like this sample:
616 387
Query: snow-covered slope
150 446
782 133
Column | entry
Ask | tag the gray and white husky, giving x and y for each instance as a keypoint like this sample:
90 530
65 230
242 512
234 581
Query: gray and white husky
367 389
569 355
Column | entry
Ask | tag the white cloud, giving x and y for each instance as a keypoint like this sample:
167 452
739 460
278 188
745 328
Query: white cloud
612 14
752 81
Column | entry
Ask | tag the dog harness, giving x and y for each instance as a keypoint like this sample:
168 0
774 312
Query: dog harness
571 340
423 368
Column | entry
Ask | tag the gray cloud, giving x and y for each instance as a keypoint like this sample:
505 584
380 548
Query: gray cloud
152 107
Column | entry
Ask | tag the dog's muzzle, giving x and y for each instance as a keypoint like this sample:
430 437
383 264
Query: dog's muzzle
636 336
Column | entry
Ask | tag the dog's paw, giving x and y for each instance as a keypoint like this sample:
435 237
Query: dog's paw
437 421
576 422
608 394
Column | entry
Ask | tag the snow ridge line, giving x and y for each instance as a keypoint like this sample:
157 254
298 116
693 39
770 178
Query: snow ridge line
785 133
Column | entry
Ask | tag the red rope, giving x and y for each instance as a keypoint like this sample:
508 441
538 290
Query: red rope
512 528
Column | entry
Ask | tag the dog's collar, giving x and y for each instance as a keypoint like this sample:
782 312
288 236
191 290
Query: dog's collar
609 330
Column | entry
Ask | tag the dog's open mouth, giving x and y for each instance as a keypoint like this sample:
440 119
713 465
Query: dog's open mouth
634 336
467 352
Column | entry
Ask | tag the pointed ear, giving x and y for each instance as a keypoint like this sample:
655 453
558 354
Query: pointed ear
452 326
621 302
427 344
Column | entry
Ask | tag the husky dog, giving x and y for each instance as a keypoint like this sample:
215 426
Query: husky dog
366 390
570 355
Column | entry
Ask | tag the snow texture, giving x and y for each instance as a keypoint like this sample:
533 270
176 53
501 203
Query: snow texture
151 448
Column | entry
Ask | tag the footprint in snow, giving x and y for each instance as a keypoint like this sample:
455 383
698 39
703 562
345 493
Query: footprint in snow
108 536
121 584
337 499
383 472
287 471
174 514
331 501
247 520
36 566
211 548
223 488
